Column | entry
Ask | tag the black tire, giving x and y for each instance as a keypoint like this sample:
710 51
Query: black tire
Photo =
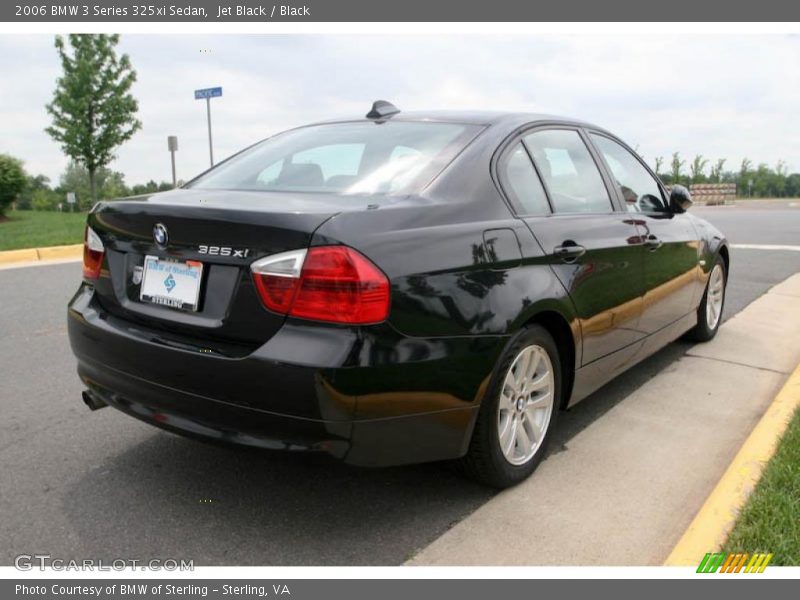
703 332
485 461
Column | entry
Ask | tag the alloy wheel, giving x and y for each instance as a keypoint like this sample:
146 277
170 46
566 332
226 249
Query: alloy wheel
714 296
526 405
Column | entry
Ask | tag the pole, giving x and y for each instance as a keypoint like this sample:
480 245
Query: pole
172 146
210 146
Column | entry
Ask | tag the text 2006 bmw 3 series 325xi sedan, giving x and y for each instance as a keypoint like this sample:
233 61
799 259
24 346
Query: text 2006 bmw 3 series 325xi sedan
398 288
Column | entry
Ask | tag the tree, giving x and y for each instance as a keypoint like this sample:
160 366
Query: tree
716 170
793 185
697 168
34 184
12 180
75 178
659 164
93 110
151 187
744 181
761 181
676 165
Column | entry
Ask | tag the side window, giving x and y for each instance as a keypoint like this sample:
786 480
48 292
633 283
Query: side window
569 171
522 183
639 189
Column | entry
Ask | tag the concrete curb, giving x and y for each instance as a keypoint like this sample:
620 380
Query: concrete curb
73 251
709 530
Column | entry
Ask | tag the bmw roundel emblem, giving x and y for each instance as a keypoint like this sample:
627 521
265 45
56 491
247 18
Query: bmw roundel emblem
160 235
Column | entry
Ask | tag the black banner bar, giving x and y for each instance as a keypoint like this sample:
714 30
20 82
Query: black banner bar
216 11
731 588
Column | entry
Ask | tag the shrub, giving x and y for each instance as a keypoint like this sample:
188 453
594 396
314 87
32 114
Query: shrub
45 200
12 180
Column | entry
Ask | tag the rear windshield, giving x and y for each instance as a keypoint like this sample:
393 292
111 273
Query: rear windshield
344 158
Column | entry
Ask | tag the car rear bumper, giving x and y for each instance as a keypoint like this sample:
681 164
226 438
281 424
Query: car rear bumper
369 396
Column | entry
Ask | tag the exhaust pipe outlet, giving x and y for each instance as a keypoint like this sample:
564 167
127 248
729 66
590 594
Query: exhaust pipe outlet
92 401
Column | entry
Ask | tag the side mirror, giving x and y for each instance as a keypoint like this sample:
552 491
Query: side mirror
679 199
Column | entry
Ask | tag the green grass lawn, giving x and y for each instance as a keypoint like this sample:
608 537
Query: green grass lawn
35 229
770 521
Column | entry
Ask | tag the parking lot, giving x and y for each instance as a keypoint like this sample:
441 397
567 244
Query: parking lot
78 484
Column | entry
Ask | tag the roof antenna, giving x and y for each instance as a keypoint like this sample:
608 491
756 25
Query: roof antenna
381 109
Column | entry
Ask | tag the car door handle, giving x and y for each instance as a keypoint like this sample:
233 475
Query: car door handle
569 251
653 243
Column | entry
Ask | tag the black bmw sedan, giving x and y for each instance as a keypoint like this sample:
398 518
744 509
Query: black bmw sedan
398 288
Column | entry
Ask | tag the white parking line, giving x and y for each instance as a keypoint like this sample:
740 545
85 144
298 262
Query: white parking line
766 247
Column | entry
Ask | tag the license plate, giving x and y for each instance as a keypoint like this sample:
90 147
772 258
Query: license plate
171 283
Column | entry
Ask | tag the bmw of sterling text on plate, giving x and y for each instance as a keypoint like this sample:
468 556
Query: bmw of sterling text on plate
395 288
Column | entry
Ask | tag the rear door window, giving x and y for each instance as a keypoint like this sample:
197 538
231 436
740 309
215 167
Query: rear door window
569 171
522 184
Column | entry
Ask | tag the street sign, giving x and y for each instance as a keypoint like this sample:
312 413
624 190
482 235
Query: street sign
214 92
207 94
70 197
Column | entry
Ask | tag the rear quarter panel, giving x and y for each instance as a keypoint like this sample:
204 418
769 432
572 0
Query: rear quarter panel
456 269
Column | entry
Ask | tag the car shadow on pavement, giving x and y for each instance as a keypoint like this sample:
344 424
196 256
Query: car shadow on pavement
174 497
167 496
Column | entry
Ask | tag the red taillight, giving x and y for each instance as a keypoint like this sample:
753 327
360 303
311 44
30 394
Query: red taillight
324 283
93 251
276 292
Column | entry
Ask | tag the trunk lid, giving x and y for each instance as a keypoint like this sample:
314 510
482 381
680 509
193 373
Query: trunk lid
225 231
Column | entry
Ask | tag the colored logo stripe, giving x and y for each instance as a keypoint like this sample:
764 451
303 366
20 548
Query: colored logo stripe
758 563
711 562
734 563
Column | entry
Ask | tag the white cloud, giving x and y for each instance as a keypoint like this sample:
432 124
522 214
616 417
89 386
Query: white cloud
719 95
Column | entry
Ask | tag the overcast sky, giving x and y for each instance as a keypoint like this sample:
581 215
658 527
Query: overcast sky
723 96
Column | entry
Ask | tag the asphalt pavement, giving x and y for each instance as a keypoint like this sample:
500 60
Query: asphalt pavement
77 484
